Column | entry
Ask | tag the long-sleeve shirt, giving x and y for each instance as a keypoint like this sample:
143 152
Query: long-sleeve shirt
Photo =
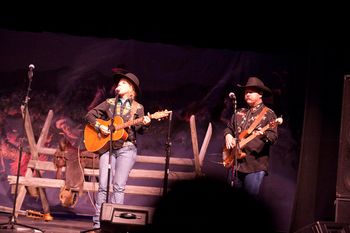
257 150
105 111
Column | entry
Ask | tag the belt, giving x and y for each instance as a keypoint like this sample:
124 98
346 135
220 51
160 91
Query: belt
128 143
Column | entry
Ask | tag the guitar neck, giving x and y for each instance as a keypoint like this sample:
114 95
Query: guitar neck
156 115
251 137
129 123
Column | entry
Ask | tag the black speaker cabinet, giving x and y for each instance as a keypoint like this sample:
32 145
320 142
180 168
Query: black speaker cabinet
325 227
119 218
342 202
343 172
342 210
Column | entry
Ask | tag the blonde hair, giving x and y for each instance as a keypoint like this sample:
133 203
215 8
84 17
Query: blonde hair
132 93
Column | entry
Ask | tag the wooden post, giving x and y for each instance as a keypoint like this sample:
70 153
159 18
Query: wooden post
205 144
195 144
34 148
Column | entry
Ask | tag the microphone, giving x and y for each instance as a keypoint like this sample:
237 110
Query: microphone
30 72
116 91
232 95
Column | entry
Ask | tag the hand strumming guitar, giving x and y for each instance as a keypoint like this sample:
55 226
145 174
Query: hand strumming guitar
104 129
230 141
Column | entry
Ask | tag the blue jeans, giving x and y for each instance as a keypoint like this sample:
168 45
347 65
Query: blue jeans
122 161
250 182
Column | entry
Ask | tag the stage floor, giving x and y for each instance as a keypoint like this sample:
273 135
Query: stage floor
60 223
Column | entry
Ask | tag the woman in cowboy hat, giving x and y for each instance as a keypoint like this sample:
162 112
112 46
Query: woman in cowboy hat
246 155
123 151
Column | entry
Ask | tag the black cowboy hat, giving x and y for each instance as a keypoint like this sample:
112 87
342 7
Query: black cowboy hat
119 73
258 84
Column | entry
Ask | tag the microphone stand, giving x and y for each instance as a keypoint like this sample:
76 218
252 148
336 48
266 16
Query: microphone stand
111 131
13 219
167 157
237 148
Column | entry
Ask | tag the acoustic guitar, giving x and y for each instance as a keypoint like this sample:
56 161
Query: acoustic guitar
95 141
229 155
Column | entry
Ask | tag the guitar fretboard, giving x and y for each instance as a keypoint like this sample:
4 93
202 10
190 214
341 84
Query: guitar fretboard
133 122
129 123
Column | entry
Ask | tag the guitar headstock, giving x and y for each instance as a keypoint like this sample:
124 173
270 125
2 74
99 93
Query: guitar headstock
279 120
276 122
161 114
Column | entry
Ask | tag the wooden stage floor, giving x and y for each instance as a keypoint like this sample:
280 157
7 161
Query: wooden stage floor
60 223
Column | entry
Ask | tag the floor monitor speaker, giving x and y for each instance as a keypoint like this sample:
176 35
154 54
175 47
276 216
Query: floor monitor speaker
119 218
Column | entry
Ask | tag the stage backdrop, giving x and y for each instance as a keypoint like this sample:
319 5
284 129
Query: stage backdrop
73 74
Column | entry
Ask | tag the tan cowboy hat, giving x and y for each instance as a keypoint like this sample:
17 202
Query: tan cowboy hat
258 84
119 73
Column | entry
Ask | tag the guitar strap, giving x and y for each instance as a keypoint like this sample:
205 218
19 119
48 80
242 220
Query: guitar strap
257 120
134 107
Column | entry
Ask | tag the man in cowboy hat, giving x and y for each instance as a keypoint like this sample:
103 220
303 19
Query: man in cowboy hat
123 151
248 137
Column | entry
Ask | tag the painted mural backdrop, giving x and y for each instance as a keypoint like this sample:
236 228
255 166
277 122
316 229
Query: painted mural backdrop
72 74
